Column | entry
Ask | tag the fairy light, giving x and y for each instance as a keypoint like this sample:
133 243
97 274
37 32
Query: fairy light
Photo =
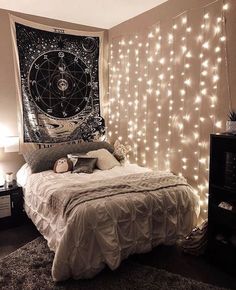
226 6
152 79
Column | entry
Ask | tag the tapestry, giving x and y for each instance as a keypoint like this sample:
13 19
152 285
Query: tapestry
59 78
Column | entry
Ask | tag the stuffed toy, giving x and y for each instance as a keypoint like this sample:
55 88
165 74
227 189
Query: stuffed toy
63 165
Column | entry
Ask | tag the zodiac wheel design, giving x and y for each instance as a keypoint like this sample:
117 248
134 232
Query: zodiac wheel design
89 44
59 84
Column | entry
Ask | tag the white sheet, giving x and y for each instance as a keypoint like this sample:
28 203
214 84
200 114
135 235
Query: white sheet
172 214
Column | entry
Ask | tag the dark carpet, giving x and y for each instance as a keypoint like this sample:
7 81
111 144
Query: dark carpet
30 268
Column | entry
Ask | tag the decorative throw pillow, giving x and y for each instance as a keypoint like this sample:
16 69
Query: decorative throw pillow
121 150
105 159
74 157
85 165
63 165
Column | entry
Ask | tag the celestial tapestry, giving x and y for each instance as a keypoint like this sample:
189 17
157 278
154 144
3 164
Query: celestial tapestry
59 85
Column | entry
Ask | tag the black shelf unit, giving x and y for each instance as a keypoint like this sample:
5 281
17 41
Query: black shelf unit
222 188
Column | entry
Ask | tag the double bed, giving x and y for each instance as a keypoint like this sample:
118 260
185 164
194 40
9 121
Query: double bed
98 219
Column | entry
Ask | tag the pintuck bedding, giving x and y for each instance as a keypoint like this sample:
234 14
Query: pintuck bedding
98 219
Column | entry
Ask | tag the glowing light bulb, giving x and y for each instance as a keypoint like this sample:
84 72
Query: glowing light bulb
162 60
225 6
215 78
205 63
206 45
202 160
161 76
184 49
198 99
218 124
150 35
184 20
188 82
170 37
217 29
223 38
189 54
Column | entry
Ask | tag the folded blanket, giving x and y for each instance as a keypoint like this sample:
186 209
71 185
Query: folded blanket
68 197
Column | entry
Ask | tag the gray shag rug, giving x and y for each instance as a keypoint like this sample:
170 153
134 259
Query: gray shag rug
30 268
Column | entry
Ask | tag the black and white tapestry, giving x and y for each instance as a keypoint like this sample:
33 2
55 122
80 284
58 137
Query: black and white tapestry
59 85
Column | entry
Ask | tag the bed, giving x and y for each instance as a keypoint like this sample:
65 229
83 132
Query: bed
99 219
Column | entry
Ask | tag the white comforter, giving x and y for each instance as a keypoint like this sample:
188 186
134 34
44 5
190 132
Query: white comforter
106 231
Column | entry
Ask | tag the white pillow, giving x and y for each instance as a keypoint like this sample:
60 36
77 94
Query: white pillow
105 159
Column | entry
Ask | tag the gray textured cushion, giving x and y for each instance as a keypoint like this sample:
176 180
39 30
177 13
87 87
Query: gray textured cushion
85 165
44 159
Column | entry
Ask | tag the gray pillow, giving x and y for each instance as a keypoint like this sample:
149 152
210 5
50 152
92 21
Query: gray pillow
85 165
44 159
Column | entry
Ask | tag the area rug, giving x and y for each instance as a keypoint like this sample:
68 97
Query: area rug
30 268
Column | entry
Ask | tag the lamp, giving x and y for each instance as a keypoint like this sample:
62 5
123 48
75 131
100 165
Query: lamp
11 144
2 179
8 144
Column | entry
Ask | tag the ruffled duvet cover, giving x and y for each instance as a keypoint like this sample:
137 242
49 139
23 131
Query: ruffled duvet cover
93 225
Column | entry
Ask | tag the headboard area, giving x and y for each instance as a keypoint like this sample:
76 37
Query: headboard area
44 159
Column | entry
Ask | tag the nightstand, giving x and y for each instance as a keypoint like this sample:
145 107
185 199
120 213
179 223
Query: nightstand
11 206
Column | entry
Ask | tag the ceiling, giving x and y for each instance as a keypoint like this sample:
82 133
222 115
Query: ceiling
98 13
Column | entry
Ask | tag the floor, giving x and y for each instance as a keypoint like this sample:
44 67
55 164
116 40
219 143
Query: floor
169 258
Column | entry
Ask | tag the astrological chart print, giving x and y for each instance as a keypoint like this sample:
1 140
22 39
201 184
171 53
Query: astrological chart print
59 85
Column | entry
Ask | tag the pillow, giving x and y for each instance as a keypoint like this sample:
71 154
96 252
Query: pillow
44 159
121 150
74 157
105 159
85 165
63 165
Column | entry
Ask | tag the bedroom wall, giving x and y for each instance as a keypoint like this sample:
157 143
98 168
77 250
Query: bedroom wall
8 108
168 85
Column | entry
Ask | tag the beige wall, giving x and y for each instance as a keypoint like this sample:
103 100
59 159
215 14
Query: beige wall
8 109
165 98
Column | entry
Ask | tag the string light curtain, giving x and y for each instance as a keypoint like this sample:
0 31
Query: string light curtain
165 92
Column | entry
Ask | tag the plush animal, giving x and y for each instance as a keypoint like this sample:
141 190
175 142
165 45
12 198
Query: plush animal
63 165
121 150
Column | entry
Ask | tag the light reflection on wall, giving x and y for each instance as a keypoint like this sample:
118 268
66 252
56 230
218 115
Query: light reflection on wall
164 93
